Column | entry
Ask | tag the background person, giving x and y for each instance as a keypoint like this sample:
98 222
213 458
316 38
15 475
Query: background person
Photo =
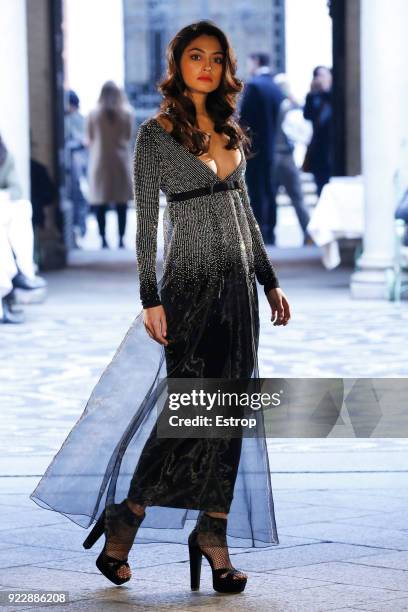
44 192
75 139
286 172
259 110
17 269
109 134
318 109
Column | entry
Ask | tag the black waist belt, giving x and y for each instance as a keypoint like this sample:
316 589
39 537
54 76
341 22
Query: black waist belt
201 191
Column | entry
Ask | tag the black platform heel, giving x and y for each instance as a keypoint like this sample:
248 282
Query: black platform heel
209 538
96 532
120 525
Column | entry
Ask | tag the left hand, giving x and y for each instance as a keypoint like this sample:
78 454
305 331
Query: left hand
279 306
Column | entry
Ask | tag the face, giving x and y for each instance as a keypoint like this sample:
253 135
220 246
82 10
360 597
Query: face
324 79
202 64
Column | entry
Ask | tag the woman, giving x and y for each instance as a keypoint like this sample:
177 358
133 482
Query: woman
17 269
109 133
203 319
318 109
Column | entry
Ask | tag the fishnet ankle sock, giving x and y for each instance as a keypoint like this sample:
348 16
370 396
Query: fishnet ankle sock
212 539
122 525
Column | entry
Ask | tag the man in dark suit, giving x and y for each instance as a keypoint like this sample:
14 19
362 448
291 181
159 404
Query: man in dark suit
259 110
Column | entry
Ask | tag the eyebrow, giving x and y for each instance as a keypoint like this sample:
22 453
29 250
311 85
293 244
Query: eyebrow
202 51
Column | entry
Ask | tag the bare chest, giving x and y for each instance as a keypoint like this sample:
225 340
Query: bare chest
220 160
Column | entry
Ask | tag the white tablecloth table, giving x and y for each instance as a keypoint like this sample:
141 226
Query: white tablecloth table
339 213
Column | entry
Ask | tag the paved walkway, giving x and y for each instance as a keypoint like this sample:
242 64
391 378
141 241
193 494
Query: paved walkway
340 503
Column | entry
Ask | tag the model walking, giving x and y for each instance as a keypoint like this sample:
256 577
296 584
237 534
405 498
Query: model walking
202 321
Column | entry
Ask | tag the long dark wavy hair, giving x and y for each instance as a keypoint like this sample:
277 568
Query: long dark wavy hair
220 104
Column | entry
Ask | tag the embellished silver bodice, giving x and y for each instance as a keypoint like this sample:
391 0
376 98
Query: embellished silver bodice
203 236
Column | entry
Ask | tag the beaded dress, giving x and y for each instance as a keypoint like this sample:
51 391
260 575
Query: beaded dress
213 256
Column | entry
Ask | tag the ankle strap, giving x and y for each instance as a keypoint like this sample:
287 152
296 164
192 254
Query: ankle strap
211 524
123 512
131 518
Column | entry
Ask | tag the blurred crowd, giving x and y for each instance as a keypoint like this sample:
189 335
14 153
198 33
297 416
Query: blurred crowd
279 123
98 162
98 176
98 148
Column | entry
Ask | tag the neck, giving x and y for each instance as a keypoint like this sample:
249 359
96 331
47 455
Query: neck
199 99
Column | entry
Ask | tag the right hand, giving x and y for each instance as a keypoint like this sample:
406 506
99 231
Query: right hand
155 323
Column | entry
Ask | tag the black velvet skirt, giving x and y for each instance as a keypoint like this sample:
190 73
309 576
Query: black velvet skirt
197 473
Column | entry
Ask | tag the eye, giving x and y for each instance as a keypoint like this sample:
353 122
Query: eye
219 60
195 55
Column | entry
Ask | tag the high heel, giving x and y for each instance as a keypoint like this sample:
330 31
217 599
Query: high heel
96 532
208 538
196 557
120 525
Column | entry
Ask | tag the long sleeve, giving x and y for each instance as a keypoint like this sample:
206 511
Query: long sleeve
264 270
147 193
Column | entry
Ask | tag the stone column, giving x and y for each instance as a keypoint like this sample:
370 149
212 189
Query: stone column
353 88
40 83
383 91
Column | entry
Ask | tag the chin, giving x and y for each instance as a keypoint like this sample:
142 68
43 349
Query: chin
206 86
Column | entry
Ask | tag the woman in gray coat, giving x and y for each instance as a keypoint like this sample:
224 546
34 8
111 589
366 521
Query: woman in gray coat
109 132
